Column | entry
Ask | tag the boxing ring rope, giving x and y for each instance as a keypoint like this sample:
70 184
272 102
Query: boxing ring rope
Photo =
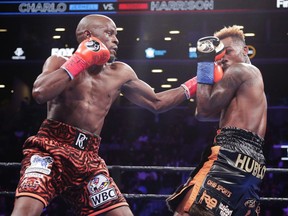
119 168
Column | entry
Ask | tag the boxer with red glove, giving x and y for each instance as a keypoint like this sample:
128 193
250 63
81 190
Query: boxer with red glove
190 87
90 52
209 50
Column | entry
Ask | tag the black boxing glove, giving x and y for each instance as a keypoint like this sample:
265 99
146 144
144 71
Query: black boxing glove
209 49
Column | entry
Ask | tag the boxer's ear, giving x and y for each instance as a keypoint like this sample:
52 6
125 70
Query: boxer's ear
87 34
245 49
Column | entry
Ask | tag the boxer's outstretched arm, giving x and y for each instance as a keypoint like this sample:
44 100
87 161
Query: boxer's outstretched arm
141 94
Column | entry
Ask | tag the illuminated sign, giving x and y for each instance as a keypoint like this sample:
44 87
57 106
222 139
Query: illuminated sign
152 53
62 51
282 3
19 54
109 7
83 7
42 7
133 6
56 7
182 5
251 51
123 6
192 52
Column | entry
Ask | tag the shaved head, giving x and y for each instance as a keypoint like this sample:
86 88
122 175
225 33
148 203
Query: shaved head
89 23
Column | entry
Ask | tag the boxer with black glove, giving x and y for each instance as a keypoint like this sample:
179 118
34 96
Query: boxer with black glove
209 50
228 177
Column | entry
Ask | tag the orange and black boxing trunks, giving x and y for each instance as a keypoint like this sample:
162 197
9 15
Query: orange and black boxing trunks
63 160
227 180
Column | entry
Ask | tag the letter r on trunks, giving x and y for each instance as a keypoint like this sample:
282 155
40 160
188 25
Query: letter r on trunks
80 142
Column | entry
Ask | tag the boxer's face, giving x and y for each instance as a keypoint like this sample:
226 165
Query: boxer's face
234 53
107 33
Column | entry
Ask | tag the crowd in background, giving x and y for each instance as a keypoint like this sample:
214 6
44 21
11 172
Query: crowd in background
135 137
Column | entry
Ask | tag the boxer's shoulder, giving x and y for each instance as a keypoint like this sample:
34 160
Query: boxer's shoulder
55 60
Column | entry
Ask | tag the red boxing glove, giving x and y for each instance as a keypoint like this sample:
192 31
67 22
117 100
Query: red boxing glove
90 51
218 72
190 87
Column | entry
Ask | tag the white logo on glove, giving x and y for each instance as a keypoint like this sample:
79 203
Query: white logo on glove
205 46
93 45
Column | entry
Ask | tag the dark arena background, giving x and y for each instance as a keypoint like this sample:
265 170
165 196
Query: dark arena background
148 155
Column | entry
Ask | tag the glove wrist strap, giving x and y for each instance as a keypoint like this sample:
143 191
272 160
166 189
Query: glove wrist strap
205 73
74 65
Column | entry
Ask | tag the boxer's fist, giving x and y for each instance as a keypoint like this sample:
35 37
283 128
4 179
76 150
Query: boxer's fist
89 52
190 87
209 49
209 73
93 51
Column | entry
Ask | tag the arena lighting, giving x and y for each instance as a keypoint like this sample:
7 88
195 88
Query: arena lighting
59 29
2 86
3 30
166 86
156 70
174 32
167 38
240 26
172 79
282 146
249 34
56 37
277 146
119 29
